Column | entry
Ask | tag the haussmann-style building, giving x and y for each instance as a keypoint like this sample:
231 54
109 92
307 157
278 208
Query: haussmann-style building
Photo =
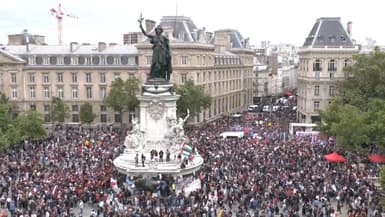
327 51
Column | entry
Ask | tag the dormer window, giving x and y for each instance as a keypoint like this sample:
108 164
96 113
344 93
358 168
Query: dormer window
332 38
124 60
110 60
320 38
81 60
95 60
39 60
67 60
52 60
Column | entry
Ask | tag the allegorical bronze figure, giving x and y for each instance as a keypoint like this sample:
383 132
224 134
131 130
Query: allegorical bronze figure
161 56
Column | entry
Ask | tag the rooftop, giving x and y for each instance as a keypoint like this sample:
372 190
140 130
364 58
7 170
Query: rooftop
328 31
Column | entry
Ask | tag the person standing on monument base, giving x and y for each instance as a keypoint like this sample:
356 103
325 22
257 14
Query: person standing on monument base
161 56
143 159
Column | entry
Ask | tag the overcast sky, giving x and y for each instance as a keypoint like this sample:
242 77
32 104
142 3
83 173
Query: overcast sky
278 21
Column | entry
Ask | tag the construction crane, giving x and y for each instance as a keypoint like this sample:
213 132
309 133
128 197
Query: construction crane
59 16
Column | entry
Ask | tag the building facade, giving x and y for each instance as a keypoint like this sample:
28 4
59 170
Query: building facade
25 38
275 70
327 51
132 38
30 75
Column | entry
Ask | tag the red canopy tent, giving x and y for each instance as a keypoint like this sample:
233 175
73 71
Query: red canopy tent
377 158
334 157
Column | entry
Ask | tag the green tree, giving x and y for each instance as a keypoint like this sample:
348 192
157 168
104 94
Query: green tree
375 120
30 125
357 116
122 96
9 134
14 134
192 97
350 130
117 97
5 116
365 81
59 110
4 141
132 89
3 98
86 114
14 129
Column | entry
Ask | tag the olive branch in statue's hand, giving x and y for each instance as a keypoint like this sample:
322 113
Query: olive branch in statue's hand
140 20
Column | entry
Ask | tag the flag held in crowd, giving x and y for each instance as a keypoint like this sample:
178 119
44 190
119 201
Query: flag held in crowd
112 182
185 150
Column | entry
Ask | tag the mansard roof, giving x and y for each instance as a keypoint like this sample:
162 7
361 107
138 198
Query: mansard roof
328 31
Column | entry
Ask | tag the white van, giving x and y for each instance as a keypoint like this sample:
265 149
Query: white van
232 134
253 108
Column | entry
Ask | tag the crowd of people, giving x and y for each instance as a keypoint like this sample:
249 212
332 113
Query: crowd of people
268 175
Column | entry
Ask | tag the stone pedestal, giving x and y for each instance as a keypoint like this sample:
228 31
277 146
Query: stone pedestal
157 108
157 130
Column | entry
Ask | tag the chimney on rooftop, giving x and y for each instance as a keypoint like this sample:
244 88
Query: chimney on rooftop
101 46
73 46
349 28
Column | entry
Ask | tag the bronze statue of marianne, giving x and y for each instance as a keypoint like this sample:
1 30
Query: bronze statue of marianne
161 56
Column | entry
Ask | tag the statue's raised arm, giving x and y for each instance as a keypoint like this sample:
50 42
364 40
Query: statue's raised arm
140 20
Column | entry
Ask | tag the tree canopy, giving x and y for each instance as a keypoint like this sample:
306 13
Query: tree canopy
365 81
86 114
357 115
122 95
192 97
132 89
59 111
30 124
15 129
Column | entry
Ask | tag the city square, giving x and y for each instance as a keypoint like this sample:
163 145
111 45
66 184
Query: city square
183 120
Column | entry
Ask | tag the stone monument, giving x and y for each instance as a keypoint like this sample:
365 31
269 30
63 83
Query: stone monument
158 131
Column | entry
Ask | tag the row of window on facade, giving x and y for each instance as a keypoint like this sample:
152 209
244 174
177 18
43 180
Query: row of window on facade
219 60
227 60
219 106
316 105
183 60
81 60
317 65
74 77
317 90
219 75
75 113
47 92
